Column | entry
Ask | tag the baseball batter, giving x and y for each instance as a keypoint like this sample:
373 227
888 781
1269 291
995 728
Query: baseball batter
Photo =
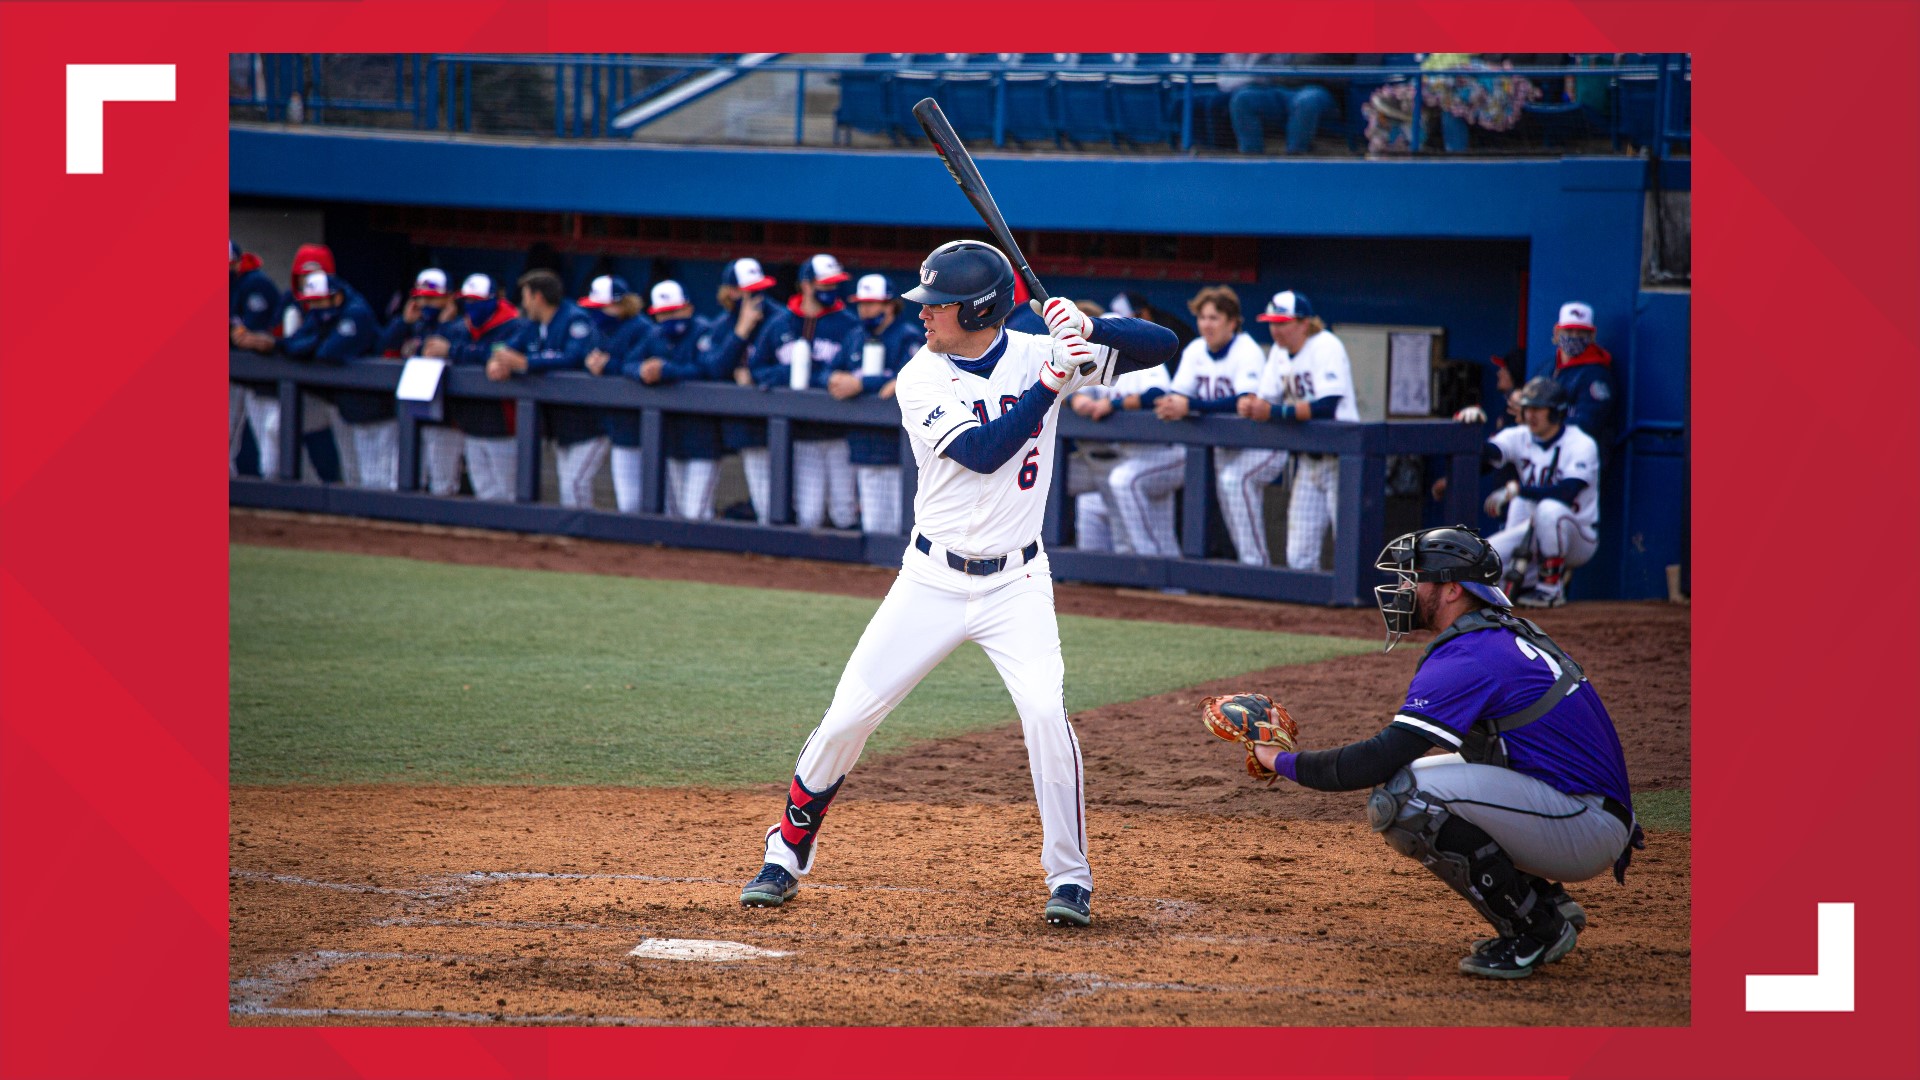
978 402
1308 377
1553 506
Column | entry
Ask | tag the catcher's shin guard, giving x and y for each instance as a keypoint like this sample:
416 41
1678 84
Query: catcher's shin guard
1458 852
800 824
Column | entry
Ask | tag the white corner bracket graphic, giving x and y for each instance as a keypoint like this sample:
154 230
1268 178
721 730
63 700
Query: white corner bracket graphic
89 88
1829 989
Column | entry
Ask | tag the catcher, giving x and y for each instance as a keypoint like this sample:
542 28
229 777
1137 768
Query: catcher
1533 789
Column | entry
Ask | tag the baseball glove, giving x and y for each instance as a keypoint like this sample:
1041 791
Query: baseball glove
1251 719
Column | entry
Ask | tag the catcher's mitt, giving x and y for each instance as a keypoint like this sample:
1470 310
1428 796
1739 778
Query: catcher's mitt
1250 719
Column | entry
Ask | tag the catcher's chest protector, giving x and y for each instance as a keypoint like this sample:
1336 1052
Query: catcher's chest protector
1483 744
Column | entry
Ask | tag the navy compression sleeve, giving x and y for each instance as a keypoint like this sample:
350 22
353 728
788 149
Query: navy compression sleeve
1356 765
1565 491
987 447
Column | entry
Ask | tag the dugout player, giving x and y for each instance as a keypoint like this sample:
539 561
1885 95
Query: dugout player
557 336
487 322
1307 377
252 299
677 351
1533 790
875 453
1553 506
744 310
816 320
337 327
430 305
978 402
1217 368
1585 371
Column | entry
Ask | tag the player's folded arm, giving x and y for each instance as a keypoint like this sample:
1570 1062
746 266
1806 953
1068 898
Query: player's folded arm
1565 491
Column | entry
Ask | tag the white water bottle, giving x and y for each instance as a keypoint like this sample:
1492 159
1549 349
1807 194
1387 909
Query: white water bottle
800 367
873 358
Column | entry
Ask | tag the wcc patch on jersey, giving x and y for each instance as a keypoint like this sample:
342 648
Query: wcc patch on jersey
934 415
346 328
256 302
579 329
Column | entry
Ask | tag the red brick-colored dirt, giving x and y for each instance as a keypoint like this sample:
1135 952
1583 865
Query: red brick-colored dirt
1217 901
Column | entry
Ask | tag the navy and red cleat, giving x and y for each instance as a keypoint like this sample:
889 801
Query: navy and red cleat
772 888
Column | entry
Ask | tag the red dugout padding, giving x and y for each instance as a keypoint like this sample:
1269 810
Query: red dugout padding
113 573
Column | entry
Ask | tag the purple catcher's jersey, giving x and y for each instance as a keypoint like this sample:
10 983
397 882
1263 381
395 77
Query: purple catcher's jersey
1493 673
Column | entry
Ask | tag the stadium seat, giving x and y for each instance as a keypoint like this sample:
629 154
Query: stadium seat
1086 114
967 99
1030 108
1139 108
865 104
908 88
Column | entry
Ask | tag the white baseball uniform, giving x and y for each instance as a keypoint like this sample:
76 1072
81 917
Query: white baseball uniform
1321 369
1559 531
1241 475
933 607
1139 486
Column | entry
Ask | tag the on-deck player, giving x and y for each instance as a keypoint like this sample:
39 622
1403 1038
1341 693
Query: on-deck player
1553 507
978 401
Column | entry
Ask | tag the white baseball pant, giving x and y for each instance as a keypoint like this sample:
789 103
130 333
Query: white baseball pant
626 478
823 487
575 465
1092 524
690 484
1310 513
755 462
263 415
376 454
236 425
440 445
930 610
1546 832
1140 490
1241 479
879 498
493 464
1557 534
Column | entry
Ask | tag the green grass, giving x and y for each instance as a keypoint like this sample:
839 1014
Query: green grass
357 669
1670 810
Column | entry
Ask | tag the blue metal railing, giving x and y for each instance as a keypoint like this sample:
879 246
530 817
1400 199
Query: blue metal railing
436 90
1362 449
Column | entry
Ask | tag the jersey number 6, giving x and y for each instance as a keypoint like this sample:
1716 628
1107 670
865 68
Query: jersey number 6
1030 470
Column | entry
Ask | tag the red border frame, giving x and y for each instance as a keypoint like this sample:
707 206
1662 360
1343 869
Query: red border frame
112 569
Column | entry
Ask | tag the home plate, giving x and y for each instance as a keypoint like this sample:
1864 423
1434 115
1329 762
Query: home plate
695 949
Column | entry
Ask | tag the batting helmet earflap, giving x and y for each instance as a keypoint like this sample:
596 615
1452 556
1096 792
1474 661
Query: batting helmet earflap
1445 553
1542 392
975 275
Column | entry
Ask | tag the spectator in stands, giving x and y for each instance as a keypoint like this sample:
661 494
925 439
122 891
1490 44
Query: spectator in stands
869 360
1462 92
557 338
742 295
1137 483
429 304
252 298
1585 371
337 328
1216 370
1256 103
815 323
681 349
486 322
1308 377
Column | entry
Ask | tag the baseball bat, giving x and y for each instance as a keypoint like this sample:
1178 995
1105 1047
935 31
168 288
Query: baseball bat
960 164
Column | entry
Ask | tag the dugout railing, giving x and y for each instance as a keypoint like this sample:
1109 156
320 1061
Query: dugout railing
1363 449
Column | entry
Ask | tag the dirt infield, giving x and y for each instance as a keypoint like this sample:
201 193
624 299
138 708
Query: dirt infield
1217 901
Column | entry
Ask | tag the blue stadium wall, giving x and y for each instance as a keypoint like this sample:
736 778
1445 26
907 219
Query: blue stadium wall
1480 247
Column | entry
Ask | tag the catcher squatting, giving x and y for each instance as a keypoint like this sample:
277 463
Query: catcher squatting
1535 789
978 401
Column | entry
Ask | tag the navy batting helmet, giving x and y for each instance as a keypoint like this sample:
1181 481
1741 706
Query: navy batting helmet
1448 553
1543 393
974 275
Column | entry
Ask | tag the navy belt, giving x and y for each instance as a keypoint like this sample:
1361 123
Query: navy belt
976 567
1617 809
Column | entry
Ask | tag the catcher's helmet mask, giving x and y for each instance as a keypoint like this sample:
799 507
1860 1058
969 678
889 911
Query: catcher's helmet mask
972 274
1446 553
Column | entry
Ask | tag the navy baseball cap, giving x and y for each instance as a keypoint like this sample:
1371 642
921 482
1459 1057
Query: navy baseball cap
604 291
1287 307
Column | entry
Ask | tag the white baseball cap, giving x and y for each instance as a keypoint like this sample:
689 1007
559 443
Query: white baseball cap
431 282
476 287
871 288
667 295
746 275
1287 307
822 269
316 286
1575 316
606 289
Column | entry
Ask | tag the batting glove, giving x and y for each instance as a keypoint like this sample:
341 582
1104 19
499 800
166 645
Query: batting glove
1063 318
1472 414
1062 366
1496 503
